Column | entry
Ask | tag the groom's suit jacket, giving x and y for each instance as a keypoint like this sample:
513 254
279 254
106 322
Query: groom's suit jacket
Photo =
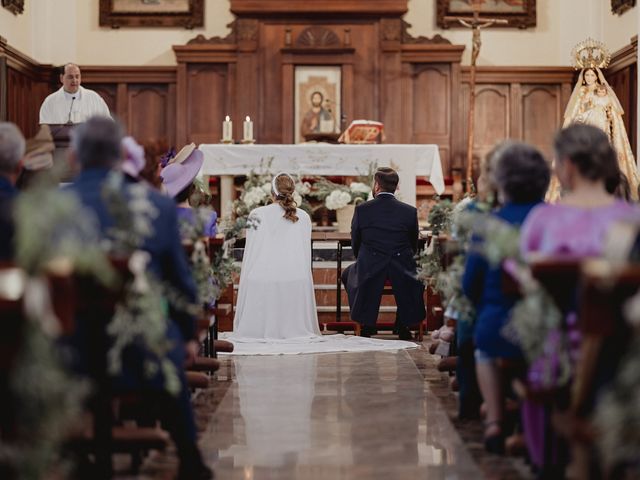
384 238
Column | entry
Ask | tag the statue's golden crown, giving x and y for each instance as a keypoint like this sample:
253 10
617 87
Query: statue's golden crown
590 53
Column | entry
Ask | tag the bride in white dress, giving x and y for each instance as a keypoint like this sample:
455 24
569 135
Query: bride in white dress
276 307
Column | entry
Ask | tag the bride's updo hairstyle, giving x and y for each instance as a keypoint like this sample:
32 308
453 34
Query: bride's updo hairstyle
283 187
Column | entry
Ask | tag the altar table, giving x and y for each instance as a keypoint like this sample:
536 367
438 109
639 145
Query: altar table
410 161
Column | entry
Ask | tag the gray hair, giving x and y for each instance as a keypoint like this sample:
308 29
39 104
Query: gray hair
12 147
520 172
98 143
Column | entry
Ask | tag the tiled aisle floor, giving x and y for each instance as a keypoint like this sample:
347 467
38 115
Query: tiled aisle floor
334 416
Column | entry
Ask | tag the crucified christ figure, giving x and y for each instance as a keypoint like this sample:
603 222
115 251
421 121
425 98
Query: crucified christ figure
475 24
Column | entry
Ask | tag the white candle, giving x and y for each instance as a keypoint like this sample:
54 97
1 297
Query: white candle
227 130
247 130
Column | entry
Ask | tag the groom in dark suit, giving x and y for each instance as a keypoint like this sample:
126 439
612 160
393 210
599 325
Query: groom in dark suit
384 239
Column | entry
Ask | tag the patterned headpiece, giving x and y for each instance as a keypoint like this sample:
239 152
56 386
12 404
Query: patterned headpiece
590 53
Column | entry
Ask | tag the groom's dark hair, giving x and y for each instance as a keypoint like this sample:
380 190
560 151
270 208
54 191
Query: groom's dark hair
387 178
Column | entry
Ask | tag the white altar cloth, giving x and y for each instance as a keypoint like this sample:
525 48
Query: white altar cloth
410 161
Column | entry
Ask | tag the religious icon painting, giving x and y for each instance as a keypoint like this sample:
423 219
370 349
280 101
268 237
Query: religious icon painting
317 103
152 13
518 13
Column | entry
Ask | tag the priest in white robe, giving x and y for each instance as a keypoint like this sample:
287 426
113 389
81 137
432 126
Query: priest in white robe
72 103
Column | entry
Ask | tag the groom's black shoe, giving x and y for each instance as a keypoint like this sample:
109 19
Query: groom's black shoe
404 333
368 331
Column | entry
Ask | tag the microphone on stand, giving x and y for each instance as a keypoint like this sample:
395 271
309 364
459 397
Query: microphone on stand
69 122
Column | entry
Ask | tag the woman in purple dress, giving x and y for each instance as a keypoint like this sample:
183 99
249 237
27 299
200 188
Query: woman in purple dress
576 226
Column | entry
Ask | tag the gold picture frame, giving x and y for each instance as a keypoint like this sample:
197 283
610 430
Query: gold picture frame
14 6
518 13
152 13
618 7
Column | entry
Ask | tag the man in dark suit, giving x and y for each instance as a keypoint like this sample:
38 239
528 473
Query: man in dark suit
384 239
12 147
96 147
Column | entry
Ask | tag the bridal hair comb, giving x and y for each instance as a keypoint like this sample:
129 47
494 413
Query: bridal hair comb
590 53
273 182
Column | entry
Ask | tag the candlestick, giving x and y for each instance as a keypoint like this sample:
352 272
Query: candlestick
227 130
247 130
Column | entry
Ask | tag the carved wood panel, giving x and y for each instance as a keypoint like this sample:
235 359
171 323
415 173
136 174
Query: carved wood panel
431 108
146 102
541 116
208 103
25 95
109 94
492 116
624 83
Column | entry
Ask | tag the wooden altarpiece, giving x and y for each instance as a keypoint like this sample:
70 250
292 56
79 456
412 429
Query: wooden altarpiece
413 85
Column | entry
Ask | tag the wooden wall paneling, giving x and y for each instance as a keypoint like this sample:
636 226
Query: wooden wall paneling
458 145
122 106
491 116
3 89
181 104
407 86
542 112
149 113
207 101
287 107
274 83
514 128
431 112
109 93
368 70
391 79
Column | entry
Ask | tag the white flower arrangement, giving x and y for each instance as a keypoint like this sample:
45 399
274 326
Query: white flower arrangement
338 199
255 196
297 198
359 187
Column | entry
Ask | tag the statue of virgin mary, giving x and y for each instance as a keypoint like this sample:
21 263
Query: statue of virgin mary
594 102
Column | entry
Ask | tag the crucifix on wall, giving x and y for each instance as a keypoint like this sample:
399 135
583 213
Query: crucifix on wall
476 24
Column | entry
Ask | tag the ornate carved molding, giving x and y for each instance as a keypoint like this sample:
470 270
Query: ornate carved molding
14 6
318 37
391 30
246 30
410 39
229 39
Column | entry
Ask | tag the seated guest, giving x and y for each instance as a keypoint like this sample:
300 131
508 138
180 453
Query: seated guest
12 147
97 147
152 165
521 175
134 159
38 159
72 103
178 180
576 226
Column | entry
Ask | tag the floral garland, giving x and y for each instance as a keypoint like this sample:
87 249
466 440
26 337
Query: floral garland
142 315
535 320
51 225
